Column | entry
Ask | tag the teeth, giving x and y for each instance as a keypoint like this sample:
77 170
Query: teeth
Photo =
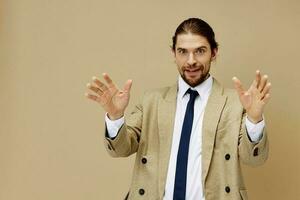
192 70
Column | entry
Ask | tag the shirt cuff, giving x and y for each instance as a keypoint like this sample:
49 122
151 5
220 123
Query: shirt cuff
255 131
113 126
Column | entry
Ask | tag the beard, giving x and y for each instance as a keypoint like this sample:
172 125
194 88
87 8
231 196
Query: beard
197 81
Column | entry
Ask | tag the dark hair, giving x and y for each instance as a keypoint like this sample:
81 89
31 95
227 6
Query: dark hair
196 26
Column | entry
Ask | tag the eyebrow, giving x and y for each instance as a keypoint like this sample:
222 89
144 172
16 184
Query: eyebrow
180 48
201 47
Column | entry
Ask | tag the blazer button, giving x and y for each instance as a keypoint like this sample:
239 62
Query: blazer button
255 152
227 189
141 191
227 156
144 160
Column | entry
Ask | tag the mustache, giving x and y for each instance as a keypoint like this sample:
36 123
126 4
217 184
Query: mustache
194 66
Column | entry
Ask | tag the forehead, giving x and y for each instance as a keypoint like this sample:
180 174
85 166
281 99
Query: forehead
191 41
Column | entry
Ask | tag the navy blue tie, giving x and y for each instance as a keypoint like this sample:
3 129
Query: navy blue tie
183 150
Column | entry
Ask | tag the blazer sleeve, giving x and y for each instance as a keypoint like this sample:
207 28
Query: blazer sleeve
253 154
127 140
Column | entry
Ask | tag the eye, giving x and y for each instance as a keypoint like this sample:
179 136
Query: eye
181 51
200 51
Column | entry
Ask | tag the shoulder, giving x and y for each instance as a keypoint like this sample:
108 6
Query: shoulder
233 102
152 97
162 92
224 91
231 94
232 98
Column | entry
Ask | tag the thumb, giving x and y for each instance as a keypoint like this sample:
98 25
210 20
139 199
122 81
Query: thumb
127 86
238 85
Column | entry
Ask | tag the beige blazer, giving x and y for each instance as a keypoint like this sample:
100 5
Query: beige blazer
148 133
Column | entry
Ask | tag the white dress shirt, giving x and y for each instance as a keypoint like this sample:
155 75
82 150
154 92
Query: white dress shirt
194 189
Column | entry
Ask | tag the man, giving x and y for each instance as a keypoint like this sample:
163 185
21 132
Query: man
190 137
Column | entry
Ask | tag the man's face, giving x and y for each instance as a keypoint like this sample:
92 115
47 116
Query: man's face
193 57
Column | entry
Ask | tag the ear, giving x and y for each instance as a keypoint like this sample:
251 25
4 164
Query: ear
214 54
173 51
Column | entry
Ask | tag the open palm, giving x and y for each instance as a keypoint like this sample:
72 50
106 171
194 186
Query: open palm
255 98
113 100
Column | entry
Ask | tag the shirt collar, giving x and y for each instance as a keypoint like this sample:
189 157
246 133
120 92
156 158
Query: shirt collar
203 89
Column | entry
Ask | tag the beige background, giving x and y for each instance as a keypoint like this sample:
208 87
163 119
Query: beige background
51 136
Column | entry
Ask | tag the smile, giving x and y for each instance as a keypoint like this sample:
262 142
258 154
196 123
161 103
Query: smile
192 72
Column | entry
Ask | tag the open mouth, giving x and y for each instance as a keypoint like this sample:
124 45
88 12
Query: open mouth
192 72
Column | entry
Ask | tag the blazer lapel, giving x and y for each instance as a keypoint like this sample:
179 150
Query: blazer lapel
212 114
166 118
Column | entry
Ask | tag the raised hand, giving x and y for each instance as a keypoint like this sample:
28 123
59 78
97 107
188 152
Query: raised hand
113 100
255 98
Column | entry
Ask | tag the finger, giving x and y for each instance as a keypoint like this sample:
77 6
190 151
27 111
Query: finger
108 80
266 98
266 89
90 96
257 78
94 89
238 85
101 85
254 84
127 86
263 83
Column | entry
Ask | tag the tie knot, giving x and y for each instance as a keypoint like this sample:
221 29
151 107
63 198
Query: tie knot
193 93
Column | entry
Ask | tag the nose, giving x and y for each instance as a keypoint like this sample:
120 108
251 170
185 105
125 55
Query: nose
191 59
